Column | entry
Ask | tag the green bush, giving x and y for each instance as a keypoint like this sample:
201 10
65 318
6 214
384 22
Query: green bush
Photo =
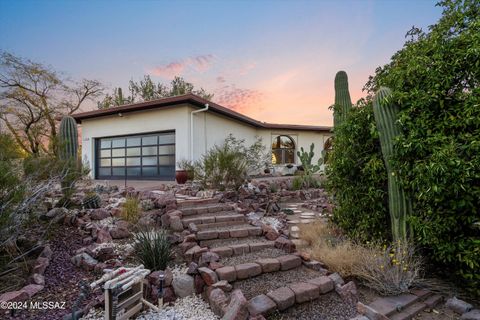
435 79
357 178
153 249
222 167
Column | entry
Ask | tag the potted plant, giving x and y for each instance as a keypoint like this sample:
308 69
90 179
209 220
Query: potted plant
267 168
185 171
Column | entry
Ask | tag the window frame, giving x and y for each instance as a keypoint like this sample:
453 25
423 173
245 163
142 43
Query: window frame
277 140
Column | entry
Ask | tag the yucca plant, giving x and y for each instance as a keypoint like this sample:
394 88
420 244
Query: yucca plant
153 249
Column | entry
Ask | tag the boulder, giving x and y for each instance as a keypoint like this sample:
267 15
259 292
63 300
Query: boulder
119 233
223 284
103 236
208 257
218 301
237 309
458 306
85 261
471 315
348 292
40 265
208 275
32 289
99 214
14 296
285 244
183 285
176 223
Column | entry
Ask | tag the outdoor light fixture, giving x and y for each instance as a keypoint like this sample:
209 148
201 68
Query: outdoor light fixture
160 290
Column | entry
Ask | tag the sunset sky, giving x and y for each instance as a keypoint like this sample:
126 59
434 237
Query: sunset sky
272 60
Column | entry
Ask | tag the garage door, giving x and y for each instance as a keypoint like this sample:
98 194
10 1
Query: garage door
147 156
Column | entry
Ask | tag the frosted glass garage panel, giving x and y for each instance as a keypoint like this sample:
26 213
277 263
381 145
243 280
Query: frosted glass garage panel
146 156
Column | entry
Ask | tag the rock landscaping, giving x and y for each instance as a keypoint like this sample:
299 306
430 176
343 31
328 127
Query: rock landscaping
233 260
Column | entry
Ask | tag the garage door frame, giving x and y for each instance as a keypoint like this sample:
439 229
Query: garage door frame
170 168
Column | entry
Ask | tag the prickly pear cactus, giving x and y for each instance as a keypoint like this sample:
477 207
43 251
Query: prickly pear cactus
343 102
306 159
92 201
385 117
68 137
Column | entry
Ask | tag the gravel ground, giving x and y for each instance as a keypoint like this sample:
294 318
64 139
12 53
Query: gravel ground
62 278
188 308
249 257
328 307
226 242
271 281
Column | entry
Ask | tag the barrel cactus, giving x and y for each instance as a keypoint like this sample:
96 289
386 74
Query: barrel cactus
386 119
68 135
92 201
343 102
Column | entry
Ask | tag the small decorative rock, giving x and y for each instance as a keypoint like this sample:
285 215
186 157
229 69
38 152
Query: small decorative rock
208 275
217 301
237 308
183 285
223 284
337 279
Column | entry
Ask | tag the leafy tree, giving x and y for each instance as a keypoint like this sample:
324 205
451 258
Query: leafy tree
435 79
147 90
33 96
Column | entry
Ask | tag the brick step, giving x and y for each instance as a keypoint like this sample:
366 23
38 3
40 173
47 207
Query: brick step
256 268
241 249
183 203
216 225
199 210
290 295
213 218
240 231
409 312
215 243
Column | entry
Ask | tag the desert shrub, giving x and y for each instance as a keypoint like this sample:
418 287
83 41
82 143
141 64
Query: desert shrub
153 249
435 79
255 155
11 188
273 187
131 209
389 270
357 178
222 167
297 183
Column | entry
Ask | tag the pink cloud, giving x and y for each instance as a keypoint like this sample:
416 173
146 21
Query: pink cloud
200 63
241 100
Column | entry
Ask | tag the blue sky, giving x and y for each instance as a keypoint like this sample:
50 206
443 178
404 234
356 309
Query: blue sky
272 60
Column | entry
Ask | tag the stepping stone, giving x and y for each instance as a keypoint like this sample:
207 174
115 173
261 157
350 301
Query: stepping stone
305 221
294 229
293 221
297 211
308 214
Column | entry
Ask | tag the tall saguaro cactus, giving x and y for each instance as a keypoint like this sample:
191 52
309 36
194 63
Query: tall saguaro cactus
385 117
343 102
68 138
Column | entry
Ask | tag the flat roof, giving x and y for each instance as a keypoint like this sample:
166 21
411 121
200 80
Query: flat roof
196 101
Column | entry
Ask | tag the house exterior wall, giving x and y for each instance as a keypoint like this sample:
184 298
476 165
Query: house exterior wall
166 119
209 129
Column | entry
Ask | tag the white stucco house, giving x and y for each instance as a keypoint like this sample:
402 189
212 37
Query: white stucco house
145 141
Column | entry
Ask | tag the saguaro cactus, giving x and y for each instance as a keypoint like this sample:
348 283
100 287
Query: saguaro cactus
343 102
385 117
68 138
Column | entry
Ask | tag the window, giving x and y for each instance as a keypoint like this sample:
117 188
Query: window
149 156
283 150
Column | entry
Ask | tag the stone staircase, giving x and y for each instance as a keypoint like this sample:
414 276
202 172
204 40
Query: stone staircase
242 274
